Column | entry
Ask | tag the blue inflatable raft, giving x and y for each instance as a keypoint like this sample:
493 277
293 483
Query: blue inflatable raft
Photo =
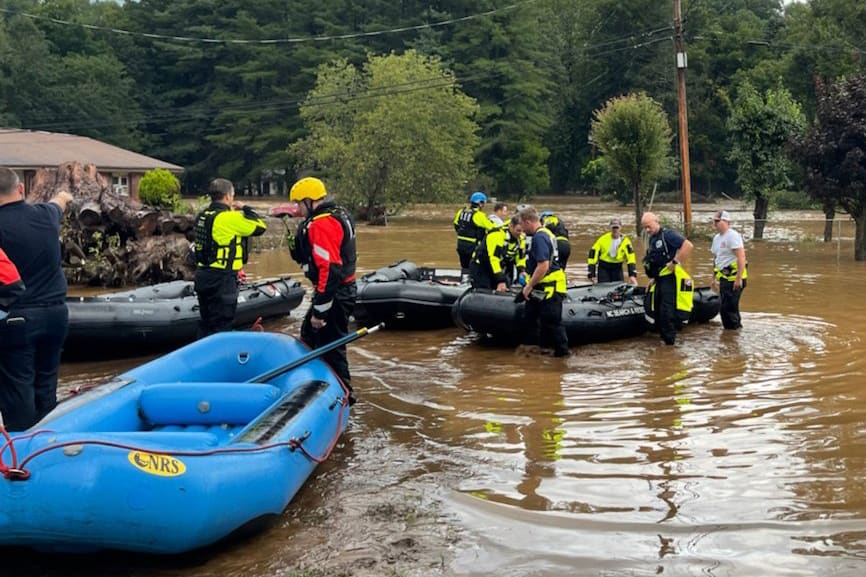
176 454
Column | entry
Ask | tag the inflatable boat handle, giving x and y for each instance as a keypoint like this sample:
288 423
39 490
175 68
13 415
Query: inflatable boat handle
316 353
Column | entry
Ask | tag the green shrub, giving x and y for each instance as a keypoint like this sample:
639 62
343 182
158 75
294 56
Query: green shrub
793 200
159 188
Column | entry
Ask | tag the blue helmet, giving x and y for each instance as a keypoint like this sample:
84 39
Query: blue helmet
478 198
546 213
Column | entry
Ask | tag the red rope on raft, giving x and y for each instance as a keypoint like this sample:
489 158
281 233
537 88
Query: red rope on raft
19 472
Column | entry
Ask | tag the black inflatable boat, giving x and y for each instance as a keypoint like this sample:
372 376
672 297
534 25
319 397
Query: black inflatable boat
163 316
405 296
591 314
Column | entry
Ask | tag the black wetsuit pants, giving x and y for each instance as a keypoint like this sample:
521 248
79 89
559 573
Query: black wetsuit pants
548 314
666 307
480 277
465 250
336 327
31 340
610 272
730 304
217 292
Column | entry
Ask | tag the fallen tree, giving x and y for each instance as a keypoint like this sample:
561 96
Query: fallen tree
112 240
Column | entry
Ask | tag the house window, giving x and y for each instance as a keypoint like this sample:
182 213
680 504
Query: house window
120 185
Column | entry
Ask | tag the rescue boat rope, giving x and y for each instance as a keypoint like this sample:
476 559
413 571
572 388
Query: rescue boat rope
19 472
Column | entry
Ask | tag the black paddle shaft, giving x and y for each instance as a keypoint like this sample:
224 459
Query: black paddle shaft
315 354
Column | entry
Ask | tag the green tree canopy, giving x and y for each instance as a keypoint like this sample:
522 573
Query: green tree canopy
55 81
820 39
834 152
225 100
503 61
761 128
396 131
726 42
633 134
600 49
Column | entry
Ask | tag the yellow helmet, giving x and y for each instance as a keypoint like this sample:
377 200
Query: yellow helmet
309 187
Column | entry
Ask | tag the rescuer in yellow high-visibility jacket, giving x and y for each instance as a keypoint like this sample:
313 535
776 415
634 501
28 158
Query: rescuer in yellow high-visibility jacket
500 252
221 250
610 251
552 222
471 224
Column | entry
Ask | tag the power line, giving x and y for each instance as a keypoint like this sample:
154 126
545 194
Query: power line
810 46
628 38
273 105
634 46
210 110
296 40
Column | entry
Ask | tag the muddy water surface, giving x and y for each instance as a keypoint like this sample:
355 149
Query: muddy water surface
728 454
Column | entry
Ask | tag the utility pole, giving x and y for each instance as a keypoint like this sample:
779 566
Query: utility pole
682 64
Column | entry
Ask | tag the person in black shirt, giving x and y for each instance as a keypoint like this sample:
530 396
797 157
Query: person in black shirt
665 250
547 281
32 335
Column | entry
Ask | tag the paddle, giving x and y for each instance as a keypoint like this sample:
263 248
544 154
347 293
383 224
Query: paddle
315 354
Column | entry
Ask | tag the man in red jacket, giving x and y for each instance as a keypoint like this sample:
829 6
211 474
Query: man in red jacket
325 249
10 284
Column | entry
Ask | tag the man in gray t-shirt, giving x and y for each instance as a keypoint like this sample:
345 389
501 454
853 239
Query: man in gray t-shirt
729 268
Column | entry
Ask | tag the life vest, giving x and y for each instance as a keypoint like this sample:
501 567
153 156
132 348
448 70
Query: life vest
464 224
302 250
729 273
553 224
554 281
685 299
659 254
515 250
208 252
498 250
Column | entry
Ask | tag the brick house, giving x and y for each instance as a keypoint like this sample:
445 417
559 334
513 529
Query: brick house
26 151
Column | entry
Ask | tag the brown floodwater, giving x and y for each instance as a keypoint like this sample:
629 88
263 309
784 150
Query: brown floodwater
728 454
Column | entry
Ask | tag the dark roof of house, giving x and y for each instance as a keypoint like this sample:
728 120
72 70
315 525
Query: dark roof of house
23 149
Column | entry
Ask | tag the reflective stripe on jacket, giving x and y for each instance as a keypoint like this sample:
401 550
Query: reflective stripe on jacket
600 251
471 224
554 281
220 234
498 250
326 249
685 292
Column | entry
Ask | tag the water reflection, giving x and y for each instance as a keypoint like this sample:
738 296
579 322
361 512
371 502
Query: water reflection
732 453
